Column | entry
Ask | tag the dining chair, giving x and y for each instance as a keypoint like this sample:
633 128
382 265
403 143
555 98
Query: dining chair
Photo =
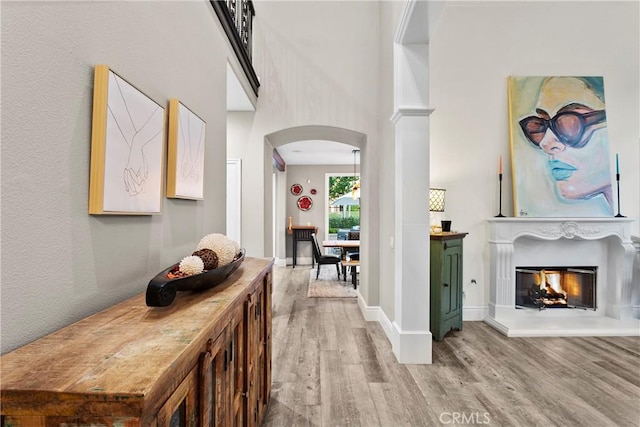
322 259
342 234
352 254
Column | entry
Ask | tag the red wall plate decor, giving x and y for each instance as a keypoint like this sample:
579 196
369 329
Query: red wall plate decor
313 191
305 203
296 189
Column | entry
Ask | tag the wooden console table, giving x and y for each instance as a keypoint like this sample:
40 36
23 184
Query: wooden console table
302 233
204 360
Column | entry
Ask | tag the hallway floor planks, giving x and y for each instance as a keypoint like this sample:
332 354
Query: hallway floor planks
332 368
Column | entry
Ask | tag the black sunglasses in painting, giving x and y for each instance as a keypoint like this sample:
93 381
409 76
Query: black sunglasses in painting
571 127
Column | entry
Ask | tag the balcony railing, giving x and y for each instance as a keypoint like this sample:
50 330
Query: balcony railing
236 17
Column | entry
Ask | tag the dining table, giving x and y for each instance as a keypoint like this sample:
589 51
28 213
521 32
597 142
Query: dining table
345 246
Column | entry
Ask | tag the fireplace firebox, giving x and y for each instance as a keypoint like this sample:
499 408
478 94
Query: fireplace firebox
556 287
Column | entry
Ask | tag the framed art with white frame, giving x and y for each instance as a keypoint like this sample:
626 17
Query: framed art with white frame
185 156
127 148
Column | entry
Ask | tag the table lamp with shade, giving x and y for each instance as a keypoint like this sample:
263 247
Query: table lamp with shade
436 206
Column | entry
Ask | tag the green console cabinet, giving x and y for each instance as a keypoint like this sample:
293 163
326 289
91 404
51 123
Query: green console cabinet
446 283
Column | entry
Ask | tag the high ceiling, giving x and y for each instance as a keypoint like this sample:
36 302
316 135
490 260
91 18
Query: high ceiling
312 152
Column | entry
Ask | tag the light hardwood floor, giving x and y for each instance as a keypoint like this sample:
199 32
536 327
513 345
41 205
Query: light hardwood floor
332 368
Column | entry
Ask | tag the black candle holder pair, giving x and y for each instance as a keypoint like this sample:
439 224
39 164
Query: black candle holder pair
619 215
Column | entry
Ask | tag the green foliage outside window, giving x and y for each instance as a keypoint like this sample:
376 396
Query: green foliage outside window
349 216
336 221
340 185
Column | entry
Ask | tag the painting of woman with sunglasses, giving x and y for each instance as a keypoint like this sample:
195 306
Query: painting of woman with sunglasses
560 147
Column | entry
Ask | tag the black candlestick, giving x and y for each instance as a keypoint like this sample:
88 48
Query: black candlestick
618 183
500 214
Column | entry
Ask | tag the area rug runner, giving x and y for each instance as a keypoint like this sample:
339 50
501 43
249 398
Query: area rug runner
328 286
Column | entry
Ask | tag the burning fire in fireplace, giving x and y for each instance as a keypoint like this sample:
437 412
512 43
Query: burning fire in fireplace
556 287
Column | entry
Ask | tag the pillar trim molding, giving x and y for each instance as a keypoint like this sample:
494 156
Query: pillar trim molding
411 112
405 22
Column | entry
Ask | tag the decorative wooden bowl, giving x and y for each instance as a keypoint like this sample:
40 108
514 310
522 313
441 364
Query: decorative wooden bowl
161 291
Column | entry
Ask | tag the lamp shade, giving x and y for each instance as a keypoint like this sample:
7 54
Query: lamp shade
355 191
436 199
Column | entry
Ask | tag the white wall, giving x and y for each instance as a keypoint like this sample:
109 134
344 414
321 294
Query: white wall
477 45
59 264
239 125
389 17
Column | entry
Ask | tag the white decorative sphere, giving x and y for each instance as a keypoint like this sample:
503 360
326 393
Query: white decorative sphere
224 247
191 265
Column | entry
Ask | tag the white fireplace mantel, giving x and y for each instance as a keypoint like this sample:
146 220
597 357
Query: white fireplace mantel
602 242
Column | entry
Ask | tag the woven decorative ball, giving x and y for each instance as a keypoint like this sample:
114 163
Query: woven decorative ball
209 258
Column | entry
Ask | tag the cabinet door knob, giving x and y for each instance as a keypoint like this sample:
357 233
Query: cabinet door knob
446 285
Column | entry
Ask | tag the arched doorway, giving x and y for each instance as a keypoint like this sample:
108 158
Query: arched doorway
368 281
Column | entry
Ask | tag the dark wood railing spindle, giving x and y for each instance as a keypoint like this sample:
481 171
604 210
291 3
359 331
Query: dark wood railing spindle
236 17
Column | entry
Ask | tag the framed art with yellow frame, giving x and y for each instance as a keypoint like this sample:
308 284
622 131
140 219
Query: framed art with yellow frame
185 155
127 148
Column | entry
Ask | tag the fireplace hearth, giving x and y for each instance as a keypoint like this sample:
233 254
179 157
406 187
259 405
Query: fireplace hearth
524 247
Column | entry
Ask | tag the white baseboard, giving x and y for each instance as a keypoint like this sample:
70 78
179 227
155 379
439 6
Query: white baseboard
409 347
414 347
279 262
370 314
376 314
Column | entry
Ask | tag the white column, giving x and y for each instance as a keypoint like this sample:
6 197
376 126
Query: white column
502 273
635 280
619 290
412 291
411 337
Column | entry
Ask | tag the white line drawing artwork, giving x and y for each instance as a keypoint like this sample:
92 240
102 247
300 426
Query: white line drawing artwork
133 149
191 145
190 154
